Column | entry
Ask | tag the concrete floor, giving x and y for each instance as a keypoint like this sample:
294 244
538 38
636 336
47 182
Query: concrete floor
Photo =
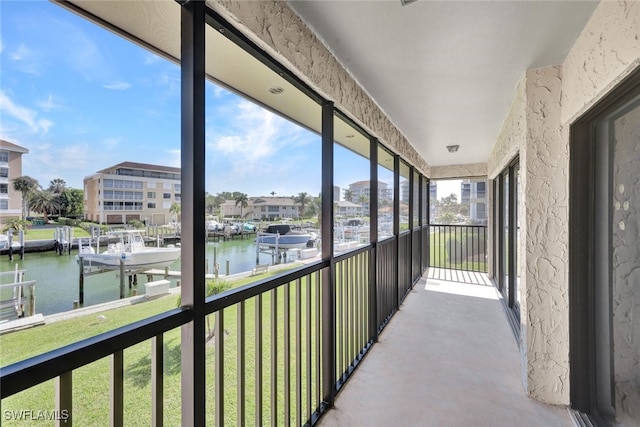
447 358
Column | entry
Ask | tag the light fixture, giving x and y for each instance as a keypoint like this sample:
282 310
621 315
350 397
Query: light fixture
406 2
453 148
350 136
275 90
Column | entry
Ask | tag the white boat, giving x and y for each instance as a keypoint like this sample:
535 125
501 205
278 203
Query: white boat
131 250
280 236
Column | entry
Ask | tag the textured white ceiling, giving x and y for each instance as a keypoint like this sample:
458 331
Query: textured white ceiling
445 72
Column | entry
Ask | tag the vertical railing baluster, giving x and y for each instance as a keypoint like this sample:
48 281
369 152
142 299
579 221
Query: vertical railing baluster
287 355
258 389
298 352
64 399
240 367
345 319
349 311
308 331
219 367
274 357
318 341
117 389
157 380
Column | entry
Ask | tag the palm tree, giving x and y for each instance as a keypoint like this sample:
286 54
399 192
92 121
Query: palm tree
364 199
348 195
43 202
301 199
25 185
57 186
242 200
175 209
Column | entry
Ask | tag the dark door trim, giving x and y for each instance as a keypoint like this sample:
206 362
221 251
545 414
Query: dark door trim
582 145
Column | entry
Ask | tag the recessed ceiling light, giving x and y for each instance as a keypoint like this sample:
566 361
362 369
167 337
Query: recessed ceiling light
350 135
275 90
453 148
406 2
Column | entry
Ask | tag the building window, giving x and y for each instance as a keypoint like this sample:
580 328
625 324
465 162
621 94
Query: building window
4 173
4 205
4 188
151 195
4 156
151 205
166 195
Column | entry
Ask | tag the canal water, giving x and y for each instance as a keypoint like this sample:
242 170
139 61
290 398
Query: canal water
57 276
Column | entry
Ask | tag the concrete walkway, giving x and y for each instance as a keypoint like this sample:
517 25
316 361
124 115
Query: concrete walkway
447 358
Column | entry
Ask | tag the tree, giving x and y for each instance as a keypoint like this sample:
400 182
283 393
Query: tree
210 203
175 209
242 200
302 199
44 202
25 185
57 187
72 201
364 199
448 209
348 195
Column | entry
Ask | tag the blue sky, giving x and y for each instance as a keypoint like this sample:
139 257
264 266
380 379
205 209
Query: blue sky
81 99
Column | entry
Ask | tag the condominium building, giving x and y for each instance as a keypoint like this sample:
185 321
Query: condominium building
473 194
10 168
361 194
264 208
132 191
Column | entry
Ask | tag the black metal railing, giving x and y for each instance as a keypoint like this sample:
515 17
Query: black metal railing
267 355
458 247
386 281
405 280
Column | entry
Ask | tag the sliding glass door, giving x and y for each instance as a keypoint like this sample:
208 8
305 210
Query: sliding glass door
507 237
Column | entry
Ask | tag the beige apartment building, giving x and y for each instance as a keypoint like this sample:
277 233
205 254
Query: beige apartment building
10 168
132 191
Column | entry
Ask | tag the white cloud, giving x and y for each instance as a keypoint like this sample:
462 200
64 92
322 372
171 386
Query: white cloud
24 114
21 53
48 104
117 85
26 60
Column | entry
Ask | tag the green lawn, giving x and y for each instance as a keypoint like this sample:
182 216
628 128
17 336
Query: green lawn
439 256
91 383
47 233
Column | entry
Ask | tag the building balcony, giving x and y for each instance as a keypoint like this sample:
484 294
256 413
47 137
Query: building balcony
447 358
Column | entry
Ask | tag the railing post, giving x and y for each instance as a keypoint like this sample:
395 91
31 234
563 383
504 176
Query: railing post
328 274
192 106
373 234
157 380
117 389
64 399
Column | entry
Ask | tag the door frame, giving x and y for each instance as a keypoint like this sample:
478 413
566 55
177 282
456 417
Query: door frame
582 203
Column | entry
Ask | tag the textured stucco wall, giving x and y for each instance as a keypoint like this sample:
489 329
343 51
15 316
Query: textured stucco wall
471 170
510 144
606 51
545 318
513 135
280 32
